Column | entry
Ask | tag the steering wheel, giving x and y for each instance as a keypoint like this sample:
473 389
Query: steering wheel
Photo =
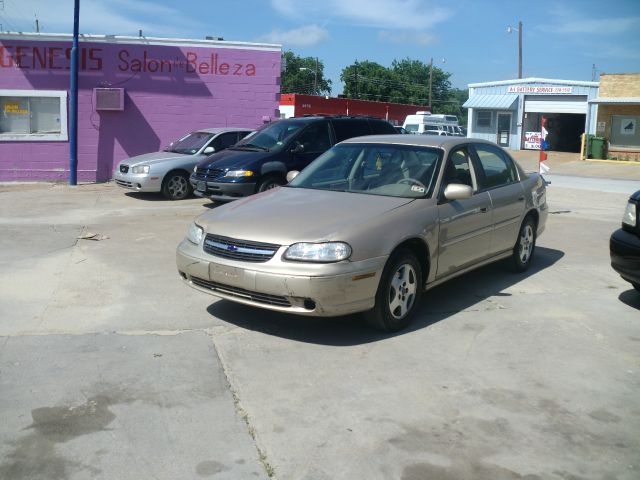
411 181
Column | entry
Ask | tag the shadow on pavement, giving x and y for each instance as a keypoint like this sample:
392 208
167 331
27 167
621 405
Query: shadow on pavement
148 196
438 304
630 297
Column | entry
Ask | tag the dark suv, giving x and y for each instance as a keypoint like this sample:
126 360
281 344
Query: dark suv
261 160
624 244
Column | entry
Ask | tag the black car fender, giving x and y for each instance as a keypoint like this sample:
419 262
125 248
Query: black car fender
272 167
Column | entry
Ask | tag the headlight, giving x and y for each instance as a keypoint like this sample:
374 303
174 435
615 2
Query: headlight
238 173
318 252
140 169
630 215
194 233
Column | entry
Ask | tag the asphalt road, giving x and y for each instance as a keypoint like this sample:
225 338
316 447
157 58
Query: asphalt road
111 368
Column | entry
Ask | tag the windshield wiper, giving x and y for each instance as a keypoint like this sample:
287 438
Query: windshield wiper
250 146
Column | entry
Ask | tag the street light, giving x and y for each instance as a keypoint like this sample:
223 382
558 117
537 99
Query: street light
510 29
315 76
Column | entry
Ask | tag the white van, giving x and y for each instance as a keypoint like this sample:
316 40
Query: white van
425 122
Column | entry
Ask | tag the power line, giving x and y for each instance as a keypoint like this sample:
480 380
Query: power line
19 11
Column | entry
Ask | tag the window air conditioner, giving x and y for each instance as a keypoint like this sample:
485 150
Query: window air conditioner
108 99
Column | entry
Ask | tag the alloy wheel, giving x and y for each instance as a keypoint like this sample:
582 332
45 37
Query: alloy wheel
402 291
526 243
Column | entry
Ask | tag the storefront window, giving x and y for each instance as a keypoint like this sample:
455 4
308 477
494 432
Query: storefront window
33 115
625 131
483 119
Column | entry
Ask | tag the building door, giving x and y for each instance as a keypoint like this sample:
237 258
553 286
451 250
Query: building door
504 129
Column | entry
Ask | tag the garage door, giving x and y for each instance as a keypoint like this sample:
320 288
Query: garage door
556 104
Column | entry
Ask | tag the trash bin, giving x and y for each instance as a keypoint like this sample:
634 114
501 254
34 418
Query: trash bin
596 147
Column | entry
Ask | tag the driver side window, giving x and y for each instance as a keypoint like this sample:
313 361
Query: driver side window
315 138
458 169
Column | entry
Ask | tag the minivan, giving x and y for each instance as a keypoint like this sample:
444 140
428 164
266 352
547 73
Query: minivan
262 160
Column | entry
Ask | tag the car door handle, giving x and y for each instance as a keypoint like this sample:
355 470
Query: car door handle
521 199
484 209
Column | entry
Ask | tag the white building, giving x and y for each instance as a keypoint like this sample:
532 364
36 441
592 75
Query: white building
509 112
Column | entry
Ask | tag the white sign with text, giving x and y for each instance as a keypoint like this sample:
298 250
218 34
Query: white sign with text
539 90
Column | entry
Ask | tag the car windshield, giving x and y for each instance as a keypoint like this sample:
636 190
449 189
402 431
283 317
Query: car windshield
271 137
190 144
374 169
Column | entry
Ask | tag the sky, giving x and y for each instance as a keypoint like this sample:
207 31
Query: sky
467 38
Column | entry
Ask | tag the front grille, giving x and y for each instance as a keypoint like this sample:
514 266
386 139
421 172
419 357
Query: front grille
124 168
241 293
235 249
209 173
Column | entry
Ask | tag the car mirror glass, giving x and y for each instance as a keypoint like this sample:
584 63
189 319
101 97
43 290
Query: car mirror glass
457 191
209 150
298 148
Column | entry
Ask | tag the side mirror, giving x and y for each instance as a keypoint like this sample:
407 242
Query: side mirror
299 148
457 191
291 175
209 150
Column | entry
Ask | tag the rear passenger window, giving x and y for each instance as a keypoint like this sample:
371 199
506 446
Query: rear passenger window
497 168
347 128
381 127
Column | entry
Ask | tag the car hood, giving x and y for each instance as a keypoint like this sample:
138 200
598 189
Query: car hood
233 158
155 157
288 215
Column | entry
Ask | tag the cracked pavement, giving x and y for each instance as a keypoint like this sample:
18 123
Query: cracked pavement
110 367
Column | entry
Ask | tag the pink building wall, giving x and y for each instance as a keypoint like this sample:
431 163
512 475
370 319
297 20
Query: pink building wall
171 88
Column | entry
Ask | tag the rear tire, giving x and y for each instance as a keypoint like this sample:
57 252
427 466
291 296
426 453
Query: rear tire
398 293
269 183
525 246
176 186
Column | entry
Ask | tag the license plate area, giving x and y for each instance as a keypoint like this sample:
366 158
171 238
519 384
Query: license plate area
226 275
201 186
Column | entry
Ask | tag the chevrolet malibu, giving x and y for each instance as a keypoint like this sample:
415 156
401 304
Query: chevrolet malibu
168 171
368 227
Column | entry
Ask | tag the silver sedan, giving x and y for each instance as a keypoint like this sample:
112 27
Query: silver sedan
168 171
367 227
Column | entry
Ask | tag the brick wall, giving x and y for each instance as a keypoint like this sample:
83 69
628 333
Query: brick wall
620 85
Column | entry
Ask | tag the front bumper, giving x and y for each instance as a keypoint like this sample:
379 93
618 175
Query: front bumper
221 191
140 182
345 287
625 255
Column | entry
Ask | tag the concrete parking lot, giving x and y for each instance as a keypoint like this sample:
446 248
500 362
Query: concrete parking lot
111 368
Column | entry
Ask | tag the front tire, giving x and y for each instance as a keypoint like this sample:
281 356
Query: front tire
525 246
269 183
176 186
398 293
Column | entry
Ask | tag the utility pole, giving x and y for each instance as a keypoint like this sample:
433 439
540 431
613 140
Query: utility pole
430 81
356 87
73 101
315 79
37 25
519 49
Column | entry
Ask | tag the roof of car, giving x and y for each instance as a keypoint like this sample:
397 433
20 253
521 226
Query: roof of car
439 141
224 129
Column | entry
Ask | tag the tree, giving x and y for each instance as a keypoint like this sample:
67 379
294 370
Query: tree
304 75
406 81
457 97
368 81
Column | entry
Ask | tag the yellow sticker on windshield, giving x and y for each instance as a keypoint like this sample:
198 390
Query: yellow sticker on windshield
378 163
